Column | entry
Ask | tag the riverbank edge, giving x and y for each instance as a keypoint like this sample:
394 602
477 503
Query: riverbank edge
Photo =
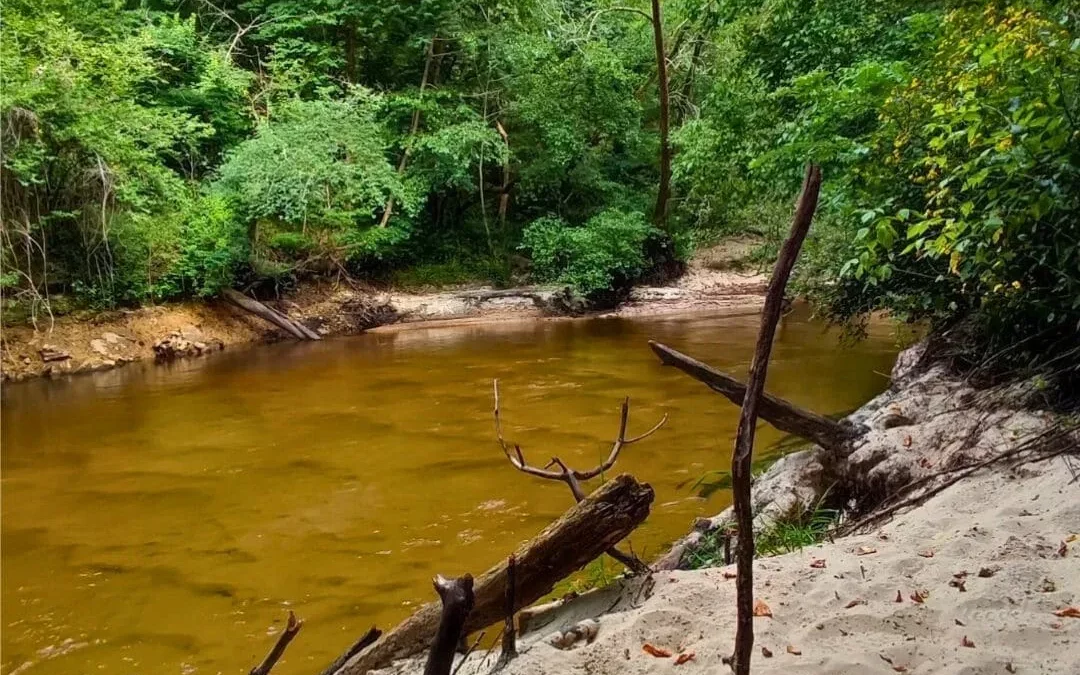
89 342
838 601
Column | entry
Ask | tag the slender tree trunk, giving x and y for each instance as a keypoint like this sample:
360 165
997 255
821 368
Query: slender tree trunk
389 209
664 193
350 52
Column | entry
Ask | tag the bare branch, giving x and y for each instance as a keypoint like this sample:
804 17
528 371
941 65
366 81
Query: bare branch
291 629
365 641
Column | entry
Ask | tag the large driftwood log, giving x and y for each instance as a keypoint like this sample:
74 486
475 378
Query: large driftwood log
783 415
270 315
581 535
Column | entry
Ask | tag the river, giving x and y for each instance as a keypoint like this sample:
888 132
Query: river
160 519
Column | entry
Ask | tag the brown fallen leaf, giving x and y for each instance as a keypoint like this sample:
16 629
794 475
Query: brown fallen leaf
899 596
920 596
1010 667
855 603
959 583
1071 538
987 572
865 550
683 658
792 649
729 575
766 652
967 643
1063 550
1071 612
1056 625
658 652
761 609
907 441
959 622
818 563
925 463
900 669
927 553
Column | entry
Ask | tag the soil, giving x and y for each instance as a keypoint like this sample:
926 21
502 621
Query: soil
86 342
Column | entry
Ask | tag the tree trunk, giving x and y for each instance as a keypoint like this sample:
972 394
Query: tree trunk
782 414
664 193
413 128
581 535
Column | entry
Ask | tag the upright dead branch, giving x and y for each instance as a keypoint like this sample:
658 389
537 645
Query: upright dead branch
388 210
744 437
783 415
509 638
571 477
291 629
584 532
457 601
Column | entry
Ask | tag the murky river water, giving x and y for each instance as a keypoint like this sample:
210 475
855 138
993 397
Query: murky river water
160 519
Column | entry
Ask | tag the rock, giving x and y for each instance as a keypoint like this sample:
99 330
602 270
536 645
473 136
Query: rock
98 345
50 354
94 365
177 345
112 338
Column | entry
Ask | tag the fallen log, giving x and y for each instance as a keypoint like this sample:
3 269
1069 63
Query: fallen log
783 415
583 533
269 315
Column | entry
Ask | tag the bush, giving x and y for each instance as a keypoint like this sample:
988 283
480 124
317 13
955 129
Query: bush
604 254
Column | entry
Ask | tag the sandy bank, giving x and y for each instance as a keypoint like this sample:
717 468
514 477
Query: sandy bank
966 581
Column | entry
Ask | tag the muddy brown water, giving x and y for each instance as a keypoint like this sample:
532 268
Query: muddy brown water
161 519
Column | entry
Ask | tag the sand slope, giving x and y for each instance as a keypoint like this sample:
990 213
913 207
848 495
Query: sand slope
845 618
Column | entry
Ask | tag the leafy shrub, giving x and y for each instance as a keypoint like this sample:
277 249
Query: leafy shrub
605 252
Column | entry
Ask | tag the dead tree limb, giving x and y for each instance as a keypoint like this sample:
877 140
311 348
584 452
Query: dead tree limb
365 641
291 629
269 315
457 600
509 636
783 415
583 533
571 477
744 438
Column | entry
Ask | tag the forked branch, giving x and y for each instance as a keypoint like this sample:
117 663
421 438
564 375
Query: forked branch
517 458
573 478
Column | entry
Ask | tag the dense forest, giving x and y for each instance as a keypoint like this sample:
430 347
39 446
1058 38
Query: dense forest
159 150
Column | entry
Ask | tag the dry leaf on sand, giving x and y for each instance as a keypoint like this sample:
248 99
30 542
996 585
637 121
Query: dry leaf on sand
683 658
766 652
920 596
967 643
899 596
854 603
761 609
818 563
865 550
792 649
658 652
927 553
1071 612
728 574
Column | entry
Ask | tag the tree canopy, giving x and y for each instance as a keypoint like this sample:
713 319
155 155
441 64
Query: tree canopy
162 149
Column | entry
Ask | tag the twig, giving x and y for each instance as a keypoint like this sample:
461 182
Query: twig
366 640
291 629
468 653
509 635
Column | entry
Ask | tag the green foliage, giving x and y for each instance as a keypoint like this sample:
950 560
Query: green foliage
606 251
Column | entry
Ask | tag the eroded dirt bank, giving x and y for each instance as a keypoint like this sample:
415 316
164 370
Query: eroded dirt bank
89 342
971 576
